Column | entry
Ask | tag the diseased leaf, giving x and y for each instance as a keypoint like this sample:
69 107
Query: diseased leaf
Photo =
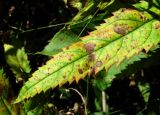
114 70
17 59
127 33
104 79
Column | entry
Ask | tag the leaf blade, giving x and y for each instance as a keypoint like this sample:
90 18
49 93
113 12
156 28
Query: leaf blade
110 44
17 59
63 37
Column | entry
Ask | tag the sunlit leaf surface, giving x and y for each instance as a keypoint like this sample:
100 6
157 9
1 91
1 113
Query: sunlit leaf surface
122 36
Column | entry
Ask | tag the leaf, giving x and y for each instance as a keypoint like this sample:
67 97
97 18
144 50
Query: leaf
144 88
5 103
76 4
114 70
88 14
35 104
62 39
85 12
17 60
124 35
5 108
104 79
67 37
144 5
4 84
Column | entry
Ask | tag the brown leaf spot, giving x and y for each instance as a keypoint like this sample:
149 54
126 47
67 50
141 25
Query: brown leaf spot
117 17
99 63
87 65
157 26
91 57
92 71
107 56
89 47
142 16
123 9
74 78
67 47
80 71
62 39
120 29
64 76
69 59
48 71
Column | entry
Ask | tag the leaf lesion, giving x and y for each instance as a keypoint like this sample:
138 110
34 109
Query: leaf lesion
95 52
120 29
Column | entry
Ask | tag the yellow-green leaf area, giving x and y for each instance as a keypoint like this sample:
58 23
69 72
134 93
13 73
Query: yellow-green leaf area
17 59
122 36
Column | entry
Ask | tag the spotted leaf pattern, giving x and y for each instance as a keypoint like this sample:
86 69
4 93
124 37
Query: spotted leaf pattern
124 35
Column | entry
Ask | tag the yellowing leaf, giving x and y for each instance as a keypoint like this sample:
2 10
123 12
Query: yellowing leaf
121 37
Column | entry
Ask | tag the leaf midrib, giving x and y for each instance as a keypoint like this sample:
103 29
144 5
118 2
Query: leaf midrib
29 88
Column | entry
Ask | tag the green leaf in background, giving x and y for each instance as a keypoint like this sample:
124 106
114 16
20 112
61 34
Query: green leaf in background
114 70
62 39
124 35
75 3
144 88
4 84
17 59
88 17
6 108
35 105
148 6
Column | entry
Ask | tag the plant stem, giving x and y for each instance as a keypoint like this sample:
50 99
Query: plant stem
104 102
83 100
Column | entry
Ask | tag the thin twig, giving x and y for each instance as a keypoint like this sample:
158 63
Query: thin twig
142 110
104 102
55 25
88 23
15 28
83 100
114 112
44 27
